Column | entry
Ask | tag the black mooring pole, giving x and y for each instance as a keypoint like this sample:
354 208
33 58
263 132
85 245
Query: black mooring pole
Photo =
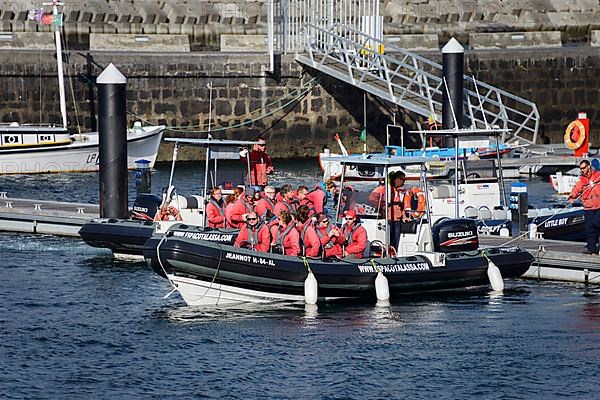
453 55
112 132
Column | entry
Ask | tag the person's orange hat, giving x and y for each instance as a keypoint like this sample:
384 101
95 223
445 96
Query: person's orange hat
350 213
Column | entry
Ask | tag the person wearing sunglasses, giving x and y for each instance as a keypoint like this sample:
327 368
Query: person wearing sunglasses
588 189
330 236
254 234
260 163
355 236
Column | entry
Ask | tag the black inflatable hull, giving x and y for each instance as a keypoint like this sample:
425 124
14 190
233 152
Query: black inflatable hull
123 236
184 254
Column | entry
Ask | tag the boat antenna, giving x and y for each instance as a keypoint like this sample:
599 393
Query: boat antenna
456 129
210 88
498 158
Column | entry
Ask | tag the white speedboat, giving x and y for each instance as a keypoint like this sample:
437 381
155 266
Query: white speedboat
34 149
564 183
28 148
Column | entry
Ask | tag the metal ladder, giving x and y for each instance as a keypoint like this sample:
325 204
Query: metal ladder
411 81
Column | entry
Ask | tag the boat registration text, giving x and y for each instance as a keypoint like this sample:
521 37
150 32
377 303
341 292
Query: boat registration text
249 259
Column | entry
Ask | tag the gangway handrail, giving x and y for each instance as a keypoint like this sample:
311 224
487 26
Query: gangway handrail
410 80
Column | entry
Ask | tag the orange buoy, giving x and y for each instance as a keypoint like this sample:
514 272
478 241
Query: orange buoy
575 135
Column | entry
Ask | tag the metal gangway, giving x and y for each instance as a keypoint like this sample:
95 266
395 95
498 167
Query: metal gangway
409 80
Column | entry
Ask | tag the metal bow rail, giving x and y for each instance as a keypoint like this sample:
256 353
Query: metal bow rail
411 81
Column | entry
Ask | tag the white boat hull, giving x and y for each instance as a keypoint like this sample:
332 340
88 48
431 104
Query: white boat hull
79 156
200 293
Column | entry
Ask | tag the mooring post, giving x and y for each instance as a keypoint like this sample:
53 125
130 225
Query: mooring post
112 132
453 56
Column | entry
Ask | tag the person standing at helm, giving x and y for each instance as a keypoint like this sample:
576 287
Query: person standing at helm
260 163
405 205
588 188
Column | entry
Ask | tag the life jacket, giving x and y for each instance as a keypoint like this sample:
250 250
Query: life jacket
220 207
351 233
253 234
318 197
282 235
271 206
307 225
408 202
321 235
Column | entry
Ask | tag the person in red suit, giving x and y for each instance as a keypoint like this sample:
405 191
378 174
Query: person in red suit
254 234
215 209
355 236
308 234
266 205
330 236
242 207
285 236
287 202
260 163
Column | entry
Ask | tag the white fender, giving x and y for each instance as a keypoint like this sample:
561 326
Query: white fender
495 276
311 288
532 230
382 288
504 232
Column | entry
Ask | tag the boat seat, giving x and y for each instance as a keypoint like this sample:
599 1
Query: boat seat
443 191
367 252
500 214
182 202
471 212
484 213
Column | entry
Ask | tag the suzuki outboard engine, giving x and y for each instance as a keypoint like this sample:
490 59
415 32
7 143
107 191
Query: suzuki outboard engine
455 234
145 206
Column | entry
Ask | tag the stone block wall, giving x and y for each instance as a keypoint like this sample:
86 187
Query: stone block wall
172 89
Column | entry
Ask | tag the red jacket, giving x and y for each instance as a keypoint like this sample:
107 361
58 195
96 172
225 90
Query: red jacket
263 205
258 237
356 240
215 214
228 212
309 238
287 237
240 207
589 190
317 197
260 165
331 245
284 205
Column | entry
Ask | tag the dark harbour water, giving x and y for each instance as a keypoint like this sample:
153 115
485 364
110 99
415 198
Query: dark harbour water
76 324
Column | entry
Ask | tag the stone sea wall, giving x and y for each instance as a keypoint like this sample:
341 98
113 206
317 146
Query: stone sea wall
172 89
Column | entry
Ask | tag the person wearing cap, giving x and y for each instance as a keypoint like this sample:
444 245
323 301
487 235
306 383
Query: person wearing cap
308 235
355 236
260 163
406 204
242 206
254 234
215 209
285 236
330 236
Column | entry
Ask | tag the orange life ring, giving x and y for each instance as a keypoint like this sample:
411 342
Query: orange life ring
167 213
574 135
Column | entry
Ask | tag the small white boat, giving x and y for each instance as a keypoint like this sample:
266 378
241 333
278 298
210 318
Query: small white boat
34 149
564 183
43 148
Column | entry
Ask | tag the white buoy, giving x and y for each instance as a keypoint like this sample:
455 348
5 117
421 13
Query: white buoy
504 232
382 288
310 289
532 230
495 276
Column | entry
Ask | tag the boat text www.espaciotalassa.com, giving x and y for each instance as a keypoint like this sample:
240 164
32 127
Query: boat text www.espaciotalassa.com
406 267
209 237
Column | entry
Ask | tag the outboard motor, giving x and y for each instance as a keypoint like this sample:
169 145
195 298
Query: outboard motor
145 206
455 234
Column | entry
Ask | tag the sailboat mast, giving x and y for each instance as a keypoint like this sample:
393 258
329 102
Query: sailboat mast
59 60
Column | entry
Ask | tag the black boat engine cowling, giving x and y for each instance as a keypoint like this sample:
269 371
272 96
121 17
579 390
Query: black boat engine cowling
145 206
455 234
